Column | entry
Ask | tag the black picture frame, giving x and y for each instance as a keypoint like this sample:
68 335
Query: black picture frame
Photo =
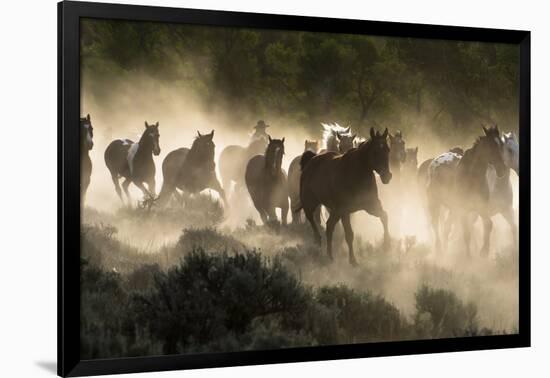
69 362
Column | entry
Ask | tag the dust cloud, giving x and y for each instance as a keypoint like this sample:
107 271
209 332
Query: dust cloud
492 283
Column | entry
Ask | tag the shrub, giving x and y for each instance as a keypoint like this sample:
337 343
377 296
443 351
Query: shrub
207 297
360 316
439 313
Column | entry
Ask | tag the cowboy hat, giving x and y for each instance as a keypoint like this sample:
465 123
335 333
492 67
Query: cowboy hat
261 125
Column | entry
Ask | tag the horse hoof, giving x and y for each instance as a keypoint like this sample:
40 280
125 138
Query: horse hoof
353 263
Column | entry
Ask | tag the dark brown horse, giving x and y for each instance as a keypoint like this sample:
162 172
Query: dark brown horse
134 162
267 183
191 170
346 184
86 144
460 184
233 160
294 173
397 155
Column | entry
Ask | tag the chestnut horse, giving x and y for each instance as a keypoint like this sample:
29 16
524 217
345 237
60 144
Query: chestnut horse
345 184
191 170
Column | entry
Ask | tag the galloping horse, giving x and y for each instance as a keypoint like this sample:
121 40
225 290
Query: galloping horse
86 144
460 184
397 155
294 173
410 165
345 184
233 160
501 187
191 170
134 162
336 138
267 183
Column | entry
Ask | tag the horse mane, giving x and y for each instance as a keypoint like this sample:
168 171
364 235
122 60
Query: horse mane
328 133
270 152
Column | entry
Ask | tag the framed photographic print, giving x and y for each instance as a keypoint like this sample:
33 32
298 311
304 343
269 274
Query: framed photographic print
239 188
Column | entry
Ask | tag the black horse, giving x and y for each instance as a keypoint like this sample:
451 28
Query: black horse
345 184
191 170
134 162
233 160
398 155
86 144
267 182
294 173
460 184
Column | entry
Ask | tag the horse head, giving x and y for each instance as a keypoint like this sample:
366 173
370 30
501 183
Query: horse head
411 158
379 154
274 155
203 147
86 133
151 137
311 145
397 148
345 142
510 151
492 149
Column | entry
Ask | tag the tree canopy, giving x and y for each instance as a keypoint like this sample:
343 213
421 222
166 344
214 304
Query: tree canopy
446 86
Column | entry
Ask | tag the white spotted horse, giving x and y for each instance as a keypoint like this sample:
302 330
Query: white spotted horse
460 184
134 162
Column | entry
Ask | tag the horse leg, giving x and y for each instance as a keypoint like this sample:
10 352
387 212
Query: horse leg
313 222
434 212
508 215
284 211
215 185
378 211
487 228
151 184
83 189
271 214
296 215
317 215
117 186
447 228
466 232
260 209
331 223
346 222
143 189
125 185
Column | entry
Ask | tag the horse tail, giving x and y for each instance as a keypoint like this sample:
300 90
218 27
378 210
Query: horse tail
306 157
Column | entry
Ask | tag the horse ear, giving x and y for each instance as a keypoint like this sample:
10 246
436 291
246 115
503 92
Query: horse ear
88 116
283 140
269 137
199 133
485 129
348 129
416 149
372 133
157 124
385 135
353 136
146 125
212 133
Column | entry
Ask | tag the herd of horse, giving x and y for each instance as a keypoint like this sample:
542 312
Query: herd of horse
457 187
